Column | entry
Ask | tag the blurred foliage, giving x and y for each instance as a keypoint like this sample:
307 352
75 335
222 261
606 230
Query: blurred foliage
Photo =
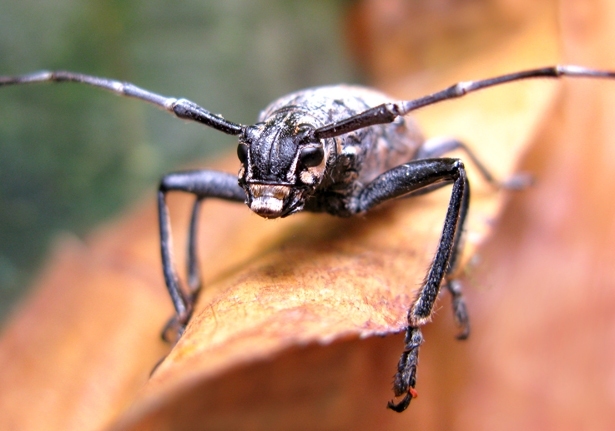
71 155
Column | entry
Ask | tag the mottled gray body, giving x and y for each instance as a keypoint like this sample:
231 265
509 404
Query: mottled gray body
352 160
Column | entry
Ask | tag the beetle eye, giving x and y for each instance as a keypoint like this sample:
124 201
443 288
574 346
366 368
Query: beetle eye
242 153
311 156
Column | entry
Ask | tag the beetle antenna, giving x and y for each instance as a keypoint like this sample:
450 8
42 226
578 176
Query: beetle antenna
181 108
388 112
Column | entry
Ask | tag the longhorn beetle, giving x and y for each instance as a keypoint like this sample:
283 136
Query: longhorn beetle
338 149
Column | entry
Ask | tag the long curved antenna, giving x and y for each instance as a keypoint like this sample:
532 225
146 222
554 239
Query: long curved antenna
388 112
181 108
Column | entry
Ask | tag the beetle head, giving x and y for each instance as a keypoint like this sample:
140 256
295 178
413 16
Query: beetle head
282 163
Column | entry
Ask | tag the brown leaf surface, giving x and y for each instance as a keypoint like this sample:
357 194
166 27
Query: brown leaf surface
546 352
283 335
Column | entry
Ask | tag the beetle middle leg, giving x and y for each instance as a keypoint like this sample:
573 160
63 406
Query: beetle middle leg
193 270
203 184
399 181
436 147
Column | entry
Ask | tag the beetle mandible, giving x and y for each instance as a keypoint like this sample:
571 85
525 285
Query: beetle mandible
340 150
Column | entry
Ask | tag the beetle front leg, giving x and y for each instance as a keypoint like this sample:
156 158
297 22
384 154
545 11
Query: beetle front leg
203 184
399 181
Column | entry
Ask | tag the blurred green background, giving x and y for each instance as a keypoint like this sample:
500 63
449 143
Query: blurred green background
72 155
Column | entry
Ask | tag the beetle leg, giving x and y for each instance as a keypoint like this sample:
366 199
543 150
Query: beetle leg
203 184
437 147
193 270
399 181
